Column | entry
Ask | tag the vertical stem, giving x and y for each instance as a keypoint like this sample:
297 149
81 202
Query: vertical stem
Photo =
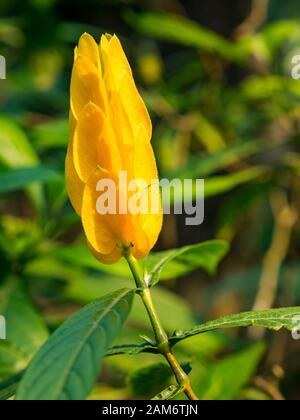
161 336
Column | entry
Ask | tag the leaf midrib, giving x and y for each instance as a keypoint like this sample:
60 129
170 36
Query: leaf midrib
214 325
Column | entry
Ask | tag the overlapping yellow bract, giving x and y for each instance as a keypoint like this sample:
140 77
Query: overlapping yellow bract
110 132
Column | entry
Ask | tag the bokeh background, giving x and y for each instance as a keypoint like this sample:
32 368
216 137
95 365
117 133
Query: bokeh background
216 77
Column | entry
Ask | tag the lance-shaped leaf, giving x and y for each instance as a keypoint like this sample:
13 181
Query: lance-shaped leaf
273 319
67 366
19 178
224 379
202 166
25 332
8 388
178 262
180 30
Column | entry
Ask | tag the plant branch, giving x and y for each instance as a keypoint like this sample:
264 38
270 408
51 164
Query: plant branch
161 337
257 16
285 217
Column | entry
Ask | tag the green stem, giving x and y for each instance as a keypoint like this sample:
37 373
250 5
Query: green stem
161 337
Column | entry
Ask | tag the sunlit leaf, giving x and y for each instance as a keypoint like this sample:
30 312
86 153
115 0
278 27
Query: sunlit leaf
178 262
53 134
273 319
104 392
278 33
209 135
199 166
15 150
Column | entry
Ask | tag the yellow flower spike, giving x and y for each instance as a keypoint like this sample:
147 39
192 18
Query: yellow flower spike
110 135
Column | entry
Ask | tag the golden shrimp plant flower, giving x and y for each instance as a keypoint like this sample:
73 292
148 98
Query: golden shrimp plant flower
110 134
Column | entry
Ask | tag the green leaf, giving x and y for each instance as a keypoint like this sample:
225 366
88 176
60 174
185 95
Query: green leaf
132 349
203 345
273 319
169 393
181 30
80 255
249 45
178 262
16 179
223 380
148 380
15 150
209 135
8 388
204 166
208 344
84 289
224 183
279 33
53 134
216 185
68 364
26 331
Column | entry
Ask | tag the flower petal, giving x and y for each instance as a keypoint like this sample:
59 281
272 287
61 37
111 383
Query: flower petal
135 107
75 186
113 54
94 143
118 77
111 258
88 48
145 168
120 121
87 86
97 227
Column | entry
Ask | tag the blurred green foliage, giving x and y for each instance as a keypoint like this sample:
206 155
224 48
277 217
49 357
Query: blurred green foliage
224 107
